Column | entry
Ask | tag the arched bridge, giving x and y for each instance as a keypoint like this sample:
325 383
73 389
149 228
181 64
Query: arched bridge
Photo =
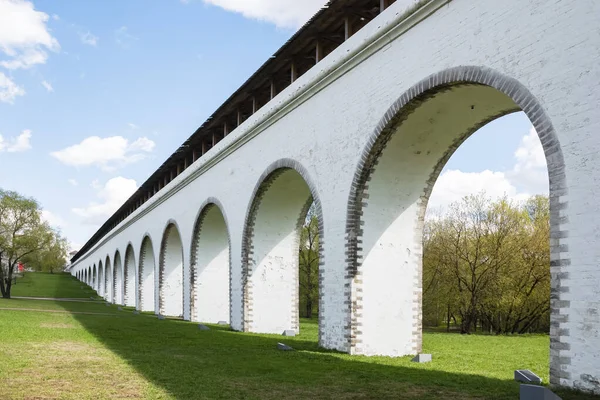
358 113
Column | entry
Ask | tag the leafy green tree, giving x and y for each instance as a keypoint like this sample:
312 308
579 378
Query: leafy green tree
309 265
51 258
486 264
22 233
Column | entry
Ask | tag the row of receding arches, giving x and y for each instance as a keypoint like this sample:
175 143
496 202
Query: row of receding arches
123 281
382 233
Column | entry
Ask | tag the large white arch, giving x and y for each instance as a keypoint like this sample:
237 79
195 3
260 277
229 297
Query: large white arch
108 280
275 216
170 276
129 272
101 279
392 186
210 266
146 275
117 278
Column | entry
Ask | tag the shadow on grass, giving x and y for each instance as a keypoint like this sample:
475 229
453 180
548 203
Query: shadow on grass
188 363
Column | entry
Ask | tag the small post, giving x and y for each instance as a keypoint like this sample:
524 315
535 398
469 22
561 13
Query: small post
254 104
204 149
239 117
194 156
293 73
347 28
273 91
318 51
214 136
383 4
225 132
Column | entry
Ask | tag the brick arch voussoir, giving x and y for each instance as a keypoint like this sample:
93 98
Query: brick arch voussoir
378 139
272 172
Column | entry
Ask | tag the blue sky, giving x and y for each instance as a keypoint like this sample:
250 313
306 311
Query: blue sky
95 95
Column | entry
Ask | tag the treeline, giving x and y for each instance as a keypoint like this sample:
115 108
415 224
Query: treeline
26 238
486 266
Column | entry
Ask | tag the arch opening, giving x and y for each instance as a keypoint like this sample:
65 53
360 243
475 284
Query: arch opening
170 276
101 283
146 276
390 193
117 279
108 281
210 267
129 277
271 254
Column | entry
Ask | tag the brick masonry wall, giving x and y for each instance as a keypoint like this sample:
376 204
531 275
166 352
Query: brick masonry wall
328 118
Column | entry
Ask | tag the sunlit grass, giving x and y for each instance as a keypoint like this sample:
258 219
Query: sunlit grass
61 285
122 355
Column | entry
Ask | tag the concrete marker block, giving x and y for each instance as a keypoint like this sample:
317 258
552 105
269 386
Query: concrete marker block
289 332
535 392
526 376
422 358
284 347
222 323
203 327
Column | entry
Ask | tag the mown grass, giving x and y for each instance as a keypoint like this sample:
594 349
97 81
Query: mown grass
60 285
126 356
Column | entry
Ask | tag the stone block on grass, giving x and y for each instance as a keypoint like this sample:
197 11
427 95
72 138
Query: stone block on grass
526 376
136 312
535 392
161 317
422 358
222 323
203 327
289 332
284 347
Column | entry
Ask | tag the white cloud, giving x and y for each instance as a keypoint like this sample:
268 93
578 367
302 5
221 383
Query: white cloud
530 170
88 38
107 153
9 90
24 37
527 177
283 13
55 17
18 144
48 86
73 182
124 38
53 219
112 195
133 126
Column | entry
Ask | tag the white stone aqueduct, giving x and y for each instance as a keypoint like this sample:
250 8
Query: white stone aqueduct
364 134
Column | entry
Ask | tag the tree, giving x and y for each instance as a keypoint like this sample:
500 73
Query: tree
52 257
22 233
309 264
486 263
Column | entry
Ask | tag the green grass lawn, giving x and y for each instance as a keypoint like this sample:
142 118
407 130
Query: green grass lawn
39 284
125 356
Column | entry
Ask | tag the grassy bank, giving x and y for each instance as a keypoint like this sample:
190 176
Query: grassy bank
122 355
